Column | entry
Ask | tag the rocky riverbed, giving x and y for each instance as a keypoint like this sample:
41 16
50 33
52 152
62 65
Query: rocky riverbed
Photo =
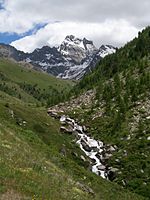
95 150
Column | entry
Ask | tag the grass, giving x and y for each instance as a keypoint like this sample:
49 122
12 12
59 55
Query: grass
32 165
31 86
18 74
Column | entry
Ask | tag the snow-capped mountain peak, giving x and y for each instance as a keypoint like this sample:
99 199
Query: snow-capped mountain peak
104 50
89 46
76 49
71 60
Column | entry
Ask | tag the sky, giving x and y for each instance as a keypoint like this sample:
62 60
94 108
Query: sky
30 24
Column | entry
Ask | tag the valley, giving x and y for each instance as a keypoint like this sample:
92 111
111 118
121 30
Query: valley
55 133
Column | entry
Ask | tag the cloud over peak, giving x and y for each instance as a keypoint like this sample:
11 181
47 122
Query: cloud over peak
105 21
108 32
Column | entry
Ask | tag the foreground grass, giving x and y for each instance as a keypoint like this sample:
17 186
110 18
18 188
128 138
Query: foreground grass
36 160
32 165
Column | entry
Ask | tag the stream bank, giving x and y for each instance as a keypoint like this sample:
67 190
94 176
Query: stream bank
98 152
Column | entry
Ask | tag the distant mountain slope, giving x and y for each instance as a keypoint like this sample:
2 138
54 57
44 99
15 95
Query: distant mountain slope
114 101
71 60
25 83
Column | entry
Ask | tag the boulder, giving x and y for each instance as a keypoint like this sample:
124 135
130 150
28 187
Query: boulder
93 161
85 188
112 173
101 167
53 114
65 130
63 151
95 149
107 156
111 149
83 158
98 155
84 129
85 146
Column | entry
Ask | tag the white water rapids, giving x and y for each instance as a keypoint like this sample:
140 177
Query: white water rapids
89 146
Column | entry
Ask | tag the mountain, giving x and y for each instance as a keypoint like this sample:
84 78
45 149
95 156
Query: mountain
71 60
37 160
113 101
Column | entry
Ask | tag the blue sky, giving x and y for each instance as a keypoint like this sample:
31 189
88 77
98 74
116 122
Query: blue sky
7 38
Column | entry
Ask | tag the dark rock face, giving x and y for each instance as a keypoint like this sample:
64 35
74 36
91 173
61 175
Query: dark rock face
71 60
8 51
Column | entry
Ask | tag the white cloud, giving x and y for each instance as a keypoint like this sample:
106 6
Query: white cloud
109 21
110 32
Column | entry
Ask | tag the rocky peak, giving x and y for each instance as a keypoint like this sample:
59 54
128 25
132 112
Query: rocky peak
72 38
71 60
76 49
104 50
88 45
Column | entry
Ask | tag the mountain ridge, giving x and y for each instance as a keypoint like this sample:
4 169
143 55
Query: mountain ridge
71 60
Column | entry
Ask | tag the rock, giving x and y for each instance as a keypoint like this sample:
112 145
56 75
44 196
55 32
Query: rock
124 182
111 149
93 161
24 123
85 188
148 138
63 151
63 123
78 128
70 123
112 173
63 120
53 113
95 149
65 130
85 146
101 167
83 158
74 154
12 113
69 120
103 160
84 129
98 155
107 156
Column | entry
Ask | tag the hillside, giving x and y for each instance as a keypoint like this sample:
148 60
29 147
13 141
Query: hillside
30 85
114 102
36 160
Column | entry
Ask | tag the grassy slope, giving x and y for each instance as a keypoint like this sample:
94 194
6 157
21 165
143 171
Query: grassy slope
31 163
19 74
30 85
